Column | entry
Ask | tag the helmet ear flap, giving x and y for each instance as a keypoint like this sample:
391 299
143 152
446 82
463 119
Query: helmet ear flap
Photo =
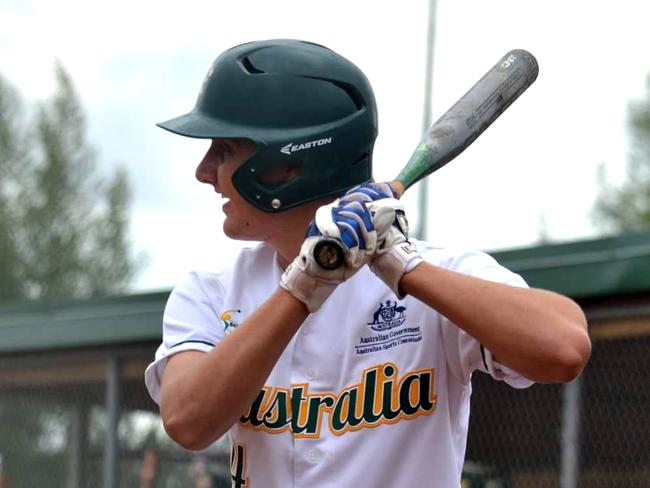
279 174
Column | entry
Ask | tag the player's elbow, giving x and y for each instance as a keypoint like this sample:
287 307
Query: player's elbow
573 356
572 345
190 433
179 431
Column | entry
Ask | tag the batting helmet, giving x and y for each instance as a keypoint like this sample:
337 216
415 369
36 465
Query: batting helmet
302 104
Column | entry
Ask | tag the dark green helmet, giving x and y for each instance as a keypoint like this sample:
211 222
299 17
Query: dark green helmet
302 104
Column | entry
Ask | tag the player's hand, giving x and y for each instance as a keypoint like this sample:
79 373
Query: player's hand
367 193
357 219
352 224
395 256
350 221
380 199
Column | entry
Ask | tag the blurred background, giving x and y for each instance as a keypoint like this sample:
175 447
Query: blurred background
100 215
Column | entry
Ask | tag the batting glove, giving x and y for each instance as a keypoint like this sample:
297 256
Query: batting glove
351 224
367 193
380 199
395 256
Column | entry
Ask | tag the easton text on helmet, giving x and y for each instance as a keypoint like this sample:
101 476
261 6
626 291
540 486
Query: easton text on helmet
292 148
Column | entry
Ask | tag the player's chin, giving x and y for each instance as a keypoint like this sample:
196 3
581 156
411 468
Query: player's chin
238 229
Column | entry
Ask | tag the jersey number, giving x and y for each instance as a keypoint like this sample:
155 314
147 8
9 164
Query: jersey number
238 466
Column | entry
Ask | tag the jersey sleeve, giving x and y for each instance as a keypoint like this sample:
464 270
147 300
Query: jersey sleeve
190 322
464 353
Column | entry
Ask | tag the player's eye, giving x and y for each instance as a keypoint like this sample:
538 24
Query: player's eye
223 151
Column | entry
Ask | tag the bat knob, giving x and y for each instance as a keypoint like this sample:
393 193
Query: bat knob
329 254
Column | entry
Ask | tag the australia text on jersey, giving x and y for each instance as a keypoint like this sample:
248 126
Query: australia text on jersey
382 397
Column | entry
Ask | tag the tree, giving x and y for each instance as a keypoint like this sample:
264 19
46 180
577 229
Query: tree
13 160
67 227
626 208
63 234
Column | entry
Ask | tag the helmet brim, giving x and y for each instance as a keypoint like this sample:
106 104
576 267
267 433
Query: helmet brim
200 126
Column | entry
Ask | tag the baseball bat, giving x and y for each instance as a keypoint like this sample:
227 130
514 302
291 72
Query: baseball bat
452 133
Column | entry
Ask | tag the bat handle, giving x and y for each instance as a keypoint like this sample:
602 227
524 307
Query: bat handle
329 253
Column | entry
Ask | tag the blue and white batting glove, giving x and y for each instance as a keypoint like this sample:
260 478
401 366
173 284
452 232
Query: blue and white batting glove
350 221
396 255
380 199
368 192
358 218
305 279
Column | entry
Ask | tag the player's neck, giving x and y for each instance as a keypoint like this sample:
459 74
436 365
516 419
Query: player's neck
287 248
288 236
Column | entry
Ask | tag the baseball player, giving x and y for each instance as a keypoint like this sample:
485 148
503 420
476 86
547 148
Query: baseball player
357 376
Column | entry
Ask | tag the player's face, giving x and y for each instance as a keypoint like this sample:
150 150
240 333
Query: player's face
242 221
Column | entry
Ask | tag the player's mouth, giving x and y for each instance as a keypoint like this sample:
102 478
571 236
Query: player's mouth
227 207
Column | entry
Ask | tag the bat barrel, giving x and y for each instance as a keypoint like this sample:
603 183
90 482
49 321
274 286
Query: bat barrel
454 131
471 115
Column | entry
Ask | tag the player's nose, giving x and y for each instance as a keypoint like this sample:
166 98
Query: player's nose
206 172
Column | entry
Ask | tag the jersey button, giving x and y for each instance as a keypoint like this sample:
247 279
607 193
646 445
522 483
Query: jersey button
311 374
313 455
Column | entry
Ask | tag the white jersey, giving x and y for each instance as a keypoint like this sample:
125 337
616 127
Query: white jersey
371 391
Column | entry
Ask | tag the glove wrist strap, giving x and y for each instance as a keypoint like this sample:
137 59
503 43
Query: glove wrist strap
392 263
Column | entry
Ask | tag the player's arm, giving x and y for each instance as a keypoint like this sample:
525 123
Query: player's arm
540 334
203 394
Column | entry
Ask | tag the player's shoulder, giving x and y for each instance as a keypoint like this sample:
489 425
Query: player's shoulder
467 261
448 255
214 282
260 255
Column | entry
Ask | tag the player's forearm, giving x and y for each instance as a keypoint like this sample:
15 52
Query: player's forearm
540 334
200 403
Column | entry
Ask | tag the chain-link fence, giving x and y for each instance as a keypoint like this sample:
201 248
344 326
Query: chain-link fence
516 433
58 428
531 438
57 422
615 443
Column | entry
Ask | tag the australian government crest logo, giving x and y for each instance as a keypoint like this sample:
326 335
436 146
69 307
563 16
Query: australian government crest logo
389 324
387 316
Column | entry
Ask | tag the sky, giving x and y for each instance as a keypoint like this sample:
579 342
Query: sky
138 63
